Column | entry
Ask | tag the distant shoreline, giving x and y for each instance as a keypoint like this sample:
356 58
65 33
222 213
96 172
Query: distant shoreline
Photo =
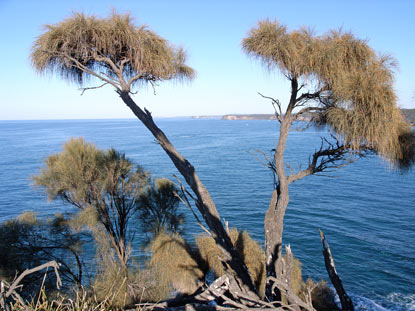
409 115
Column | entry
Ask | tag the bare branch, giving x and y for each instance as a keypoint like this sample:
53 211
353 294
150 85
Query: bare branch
91 88
289 293
153 86
183 198
85 69
52 264
275 102
323 159
118 71
308 96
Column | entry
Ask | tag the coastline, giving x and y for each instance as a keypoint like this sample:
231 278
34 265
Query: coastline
408 114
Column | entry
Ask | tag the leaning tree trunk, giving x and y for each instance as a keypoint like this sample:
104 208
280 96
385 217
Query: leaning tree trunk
230 256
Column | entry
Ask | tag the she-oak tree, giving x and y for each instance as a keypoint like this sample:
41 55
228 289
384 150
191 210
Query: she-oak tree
343 83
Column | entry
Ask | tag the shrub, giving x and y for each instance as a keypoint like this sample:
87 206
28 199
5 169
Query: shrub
181 266
157 209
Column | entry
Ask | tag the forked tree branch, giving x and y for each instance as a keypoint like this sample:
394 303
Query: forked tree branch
324 158
308 96
85 69
11 291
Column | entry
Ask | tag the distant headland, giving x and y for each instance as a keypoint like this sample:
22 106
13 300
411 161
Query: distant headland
409 115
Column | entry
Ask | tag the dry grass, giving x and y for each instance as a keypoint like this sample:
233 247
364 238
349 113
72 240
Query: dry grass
180 265
76 47
129 287
356 84
296 276
251 252
82 300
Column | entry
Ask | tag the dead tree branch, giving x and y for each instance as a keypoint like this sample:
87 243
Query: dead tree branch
333 156
346 302
11 289
275 102
288 292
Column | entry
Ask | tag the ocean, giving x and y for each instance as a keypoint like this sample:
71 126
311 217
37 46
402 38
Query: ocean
366 209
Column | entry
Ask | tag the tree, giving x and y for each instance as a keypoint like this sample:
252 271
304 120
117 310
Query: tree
353 94
125 56
157 209
105 186
339 81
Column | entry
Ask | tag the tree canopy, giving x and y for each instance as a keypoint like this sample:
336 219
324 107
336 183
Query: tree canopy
347 85
112 49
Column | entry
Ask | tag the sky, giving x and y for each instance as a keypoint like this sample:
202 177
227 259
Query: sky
211 32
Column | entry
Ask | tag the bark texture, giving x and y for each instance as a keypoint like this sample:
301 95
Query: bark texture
274 217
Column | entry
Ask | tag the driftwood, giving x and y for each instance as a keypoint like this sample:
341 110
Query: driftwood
224 289
9 290
346 302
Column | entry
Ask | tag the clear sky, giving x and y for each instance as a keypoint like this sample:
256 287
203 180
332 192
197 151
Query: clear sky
211 32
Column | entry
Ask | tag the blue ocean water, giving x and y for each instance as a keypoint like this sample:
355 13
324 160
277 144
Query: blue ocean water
366 209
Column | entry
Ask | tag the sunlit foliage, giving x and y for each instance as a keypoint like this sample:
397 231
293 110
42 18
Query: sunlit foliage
112 48
351 85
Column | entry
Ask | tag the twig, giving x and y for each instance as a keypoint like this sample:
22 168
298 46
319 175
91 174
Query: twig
275 102
183 198
92 88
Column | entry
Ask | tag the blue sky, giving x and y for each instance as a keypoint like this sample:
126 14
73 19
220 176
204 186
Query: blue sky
211 32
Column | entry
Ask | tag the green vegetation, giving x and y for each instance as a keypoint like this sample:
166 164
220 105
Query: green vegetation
157 209
28 241
336 78
103 185
111 193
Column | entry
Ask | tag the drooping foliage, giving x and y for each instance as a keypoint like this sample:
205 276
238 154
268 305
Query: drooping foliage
112 48
349 83
104 185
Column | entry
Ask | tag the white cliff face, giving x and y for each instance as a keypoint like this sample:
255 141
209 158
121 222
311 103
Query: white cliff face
248 117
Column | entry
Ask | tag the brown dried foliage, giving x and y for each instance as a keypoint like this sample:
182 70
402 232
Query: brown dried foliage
181 266
354 84
250 250
83 44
